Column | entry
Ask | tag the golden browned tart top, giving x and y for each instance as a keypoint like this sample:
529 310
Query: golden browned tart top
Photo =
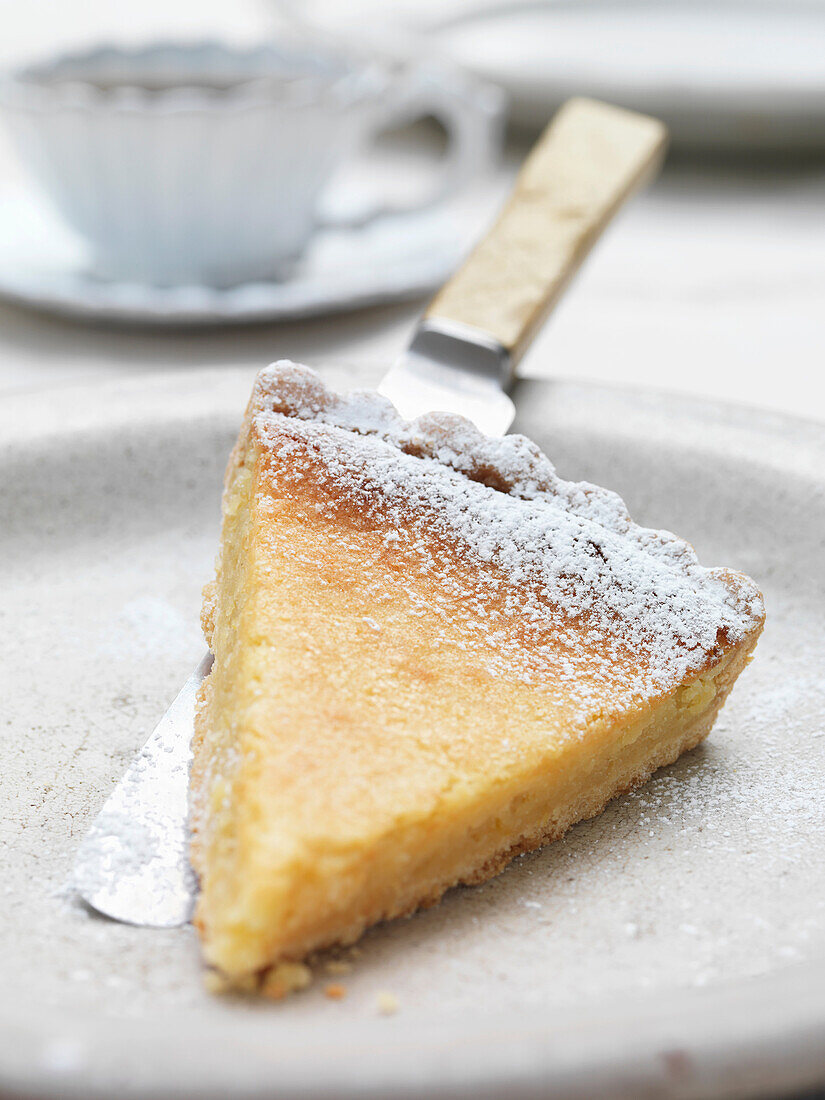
561 576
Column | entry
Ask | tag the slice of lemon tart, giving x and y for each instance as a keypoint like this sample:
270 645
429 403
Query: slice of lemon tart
431 654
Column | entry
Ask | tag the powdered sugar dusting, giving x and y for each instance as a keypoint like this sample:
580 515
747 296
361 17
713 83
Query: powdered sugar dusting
563 557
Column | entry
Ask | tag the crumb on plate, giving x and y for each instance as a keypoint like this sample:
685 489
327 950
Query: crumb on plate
387 1004
285 978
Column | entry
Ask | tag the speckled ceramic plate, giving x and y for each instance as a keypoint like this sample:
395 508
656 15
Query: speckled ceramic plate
674 946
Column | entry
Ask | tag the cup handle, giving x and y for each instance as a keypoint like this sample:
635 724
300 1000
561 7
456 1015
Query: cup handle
472 115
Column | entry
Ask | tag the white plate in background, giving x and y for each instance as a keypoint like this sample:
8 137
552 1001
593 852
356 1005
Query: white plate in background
724 74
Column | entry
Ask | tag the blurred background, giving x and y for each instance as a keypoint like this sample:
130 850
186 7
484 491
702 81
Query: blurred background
712 283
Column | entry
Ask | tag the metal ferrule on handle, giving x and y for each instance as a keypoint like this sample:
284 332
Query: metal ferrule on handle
463 348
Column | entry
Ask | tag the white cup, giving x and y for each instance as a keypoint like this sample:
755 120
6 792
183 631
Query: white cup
206 164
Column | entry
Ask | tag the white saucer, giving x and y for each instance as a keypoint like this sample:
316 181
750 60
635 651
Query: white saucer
44 266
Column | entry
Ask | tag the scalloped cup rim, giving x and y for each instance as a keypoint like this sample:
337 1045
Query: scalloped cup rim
40 84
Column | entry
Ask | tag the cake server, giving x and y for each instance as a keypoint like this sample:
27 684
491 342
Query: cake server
133 864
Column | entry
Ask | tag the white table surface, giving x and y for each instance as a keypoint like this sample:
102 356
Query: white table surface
712 283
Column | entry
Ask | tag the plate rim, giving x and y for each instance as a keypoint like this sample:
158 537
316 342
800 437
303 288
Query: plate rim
44 409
